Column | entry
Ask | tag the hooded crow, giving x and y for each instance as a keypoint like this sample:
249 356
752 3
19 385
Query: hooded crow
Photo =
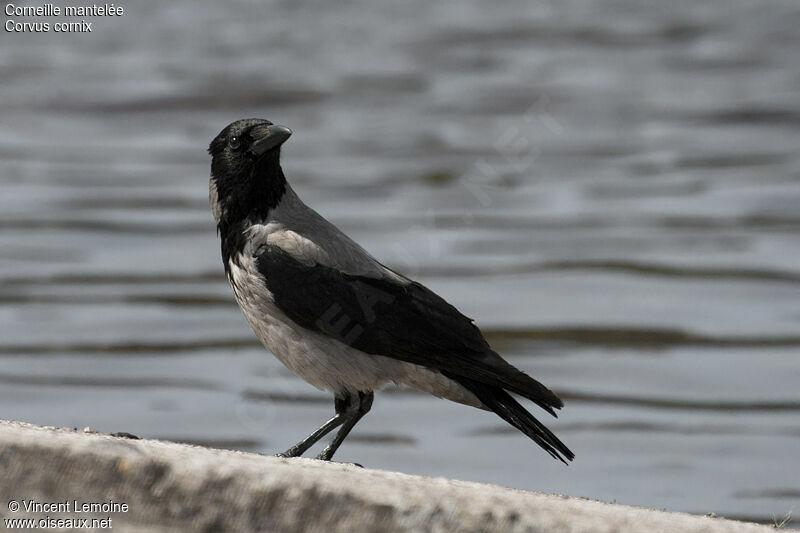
337 317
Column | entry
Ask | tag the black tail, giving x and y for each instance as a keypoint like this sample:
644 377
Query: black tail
517 381
512 412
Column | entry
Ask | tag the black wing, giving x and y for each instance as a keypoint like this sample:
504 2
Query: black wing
384 317
408 322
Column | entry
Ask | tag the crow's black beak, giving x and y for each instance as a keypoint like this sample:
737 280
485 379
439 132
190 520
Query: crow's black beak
266 138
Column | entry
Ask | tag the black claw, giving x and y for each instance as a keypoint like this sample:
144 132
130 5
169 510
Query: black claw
342 463
125 435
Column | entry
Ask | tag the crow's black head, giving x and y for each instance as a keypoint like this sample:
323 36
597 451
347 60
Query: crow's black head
246 175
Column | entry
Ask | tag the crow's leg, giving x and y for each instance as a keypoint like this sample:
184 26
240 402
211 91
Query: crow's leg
355 411
346 407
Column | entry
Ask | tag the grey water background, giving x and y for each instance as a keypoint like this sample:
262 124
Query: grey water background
610 189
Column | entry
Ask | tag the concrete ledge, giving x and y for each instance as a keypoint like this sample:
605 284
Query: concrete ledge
175 487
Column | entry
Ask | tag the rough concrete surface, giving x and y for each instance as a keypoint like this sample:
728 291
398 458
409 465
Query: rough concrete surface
175 487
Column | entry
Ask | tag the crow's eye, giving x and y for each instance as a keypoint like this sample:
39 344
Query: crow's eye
235 142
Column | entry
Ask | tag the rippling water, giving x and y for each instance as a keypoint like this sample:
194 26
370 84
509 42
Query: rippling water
610 188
